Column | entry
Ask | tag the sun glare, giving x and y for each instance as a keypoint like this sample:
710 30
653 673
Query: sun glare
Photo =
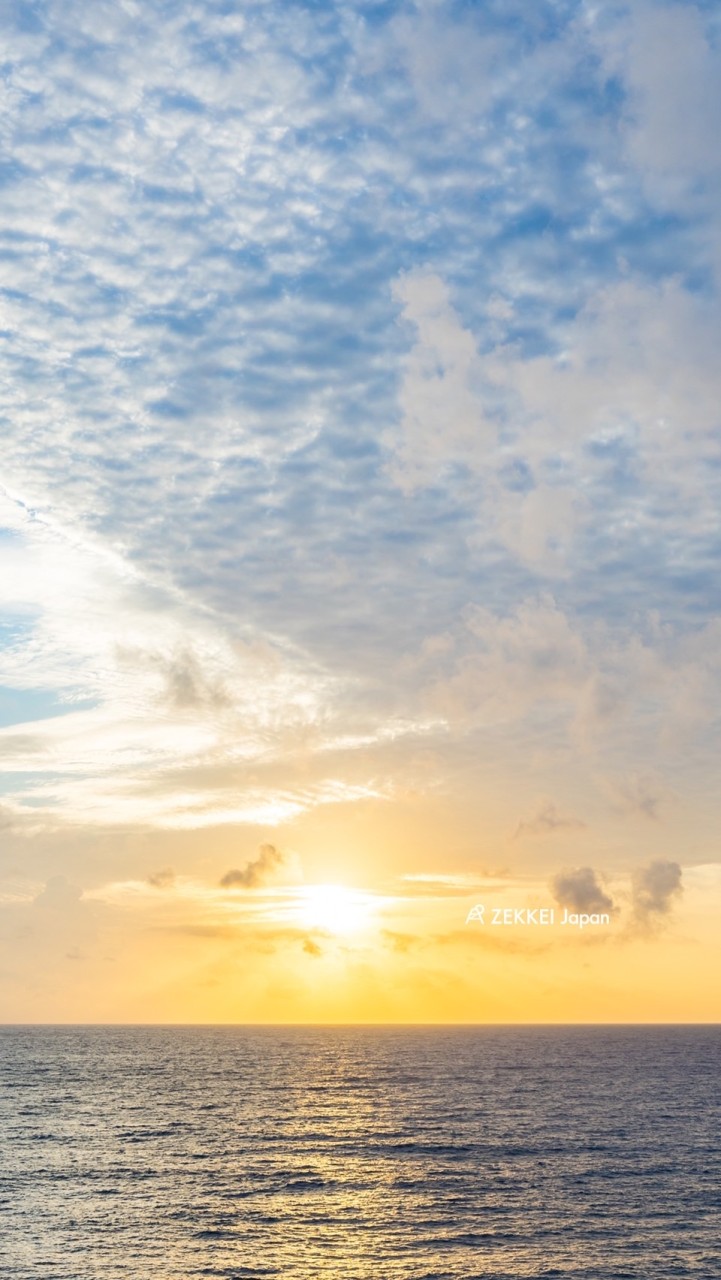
335 908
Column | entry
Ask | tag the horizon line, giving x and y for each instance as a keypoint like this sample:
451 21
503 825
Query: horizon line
377 1025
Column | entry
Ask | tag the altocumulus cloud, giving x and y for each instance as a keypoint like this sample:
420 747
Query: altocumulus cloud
337 311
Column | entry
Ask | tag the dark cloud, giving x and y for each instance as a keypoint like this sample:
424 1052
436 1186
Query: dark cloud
189 687
186 686
580 890
254 873
311 948
655 888
163 879
547 819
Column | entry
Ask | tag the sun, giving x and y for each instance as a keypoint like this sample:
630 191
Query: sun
335 908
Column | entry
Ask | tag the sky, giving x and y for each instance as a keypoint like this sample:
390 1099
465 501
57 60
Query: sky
359 510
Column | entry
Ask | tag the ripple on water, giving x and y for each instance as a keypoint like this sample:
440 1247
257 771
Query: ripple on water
359 1153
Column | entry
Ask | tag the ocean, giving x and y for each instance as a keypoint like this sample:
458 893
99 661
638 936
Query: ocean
360 1153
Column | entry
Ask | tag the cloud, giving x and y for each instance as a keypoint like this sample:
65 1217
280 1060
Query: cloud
439 398
163 879
187 686
450 65
544 663
453 884
547 819
655 889
401 942
534 653
476 245
636 356
257 872
670 66
580 890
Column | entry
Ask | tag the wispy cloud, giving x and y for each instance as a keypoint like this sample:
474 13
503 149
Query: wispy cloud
546 820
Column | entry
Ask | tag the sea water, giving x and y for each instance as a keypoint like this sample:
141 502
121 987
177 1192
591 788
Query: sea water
359 1153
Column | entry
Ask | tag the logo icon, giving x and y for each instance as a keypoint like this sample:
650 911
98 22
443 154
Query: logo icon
476 913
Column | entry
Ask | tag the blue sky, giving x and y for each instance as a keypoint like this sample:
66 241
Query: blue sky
361 403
